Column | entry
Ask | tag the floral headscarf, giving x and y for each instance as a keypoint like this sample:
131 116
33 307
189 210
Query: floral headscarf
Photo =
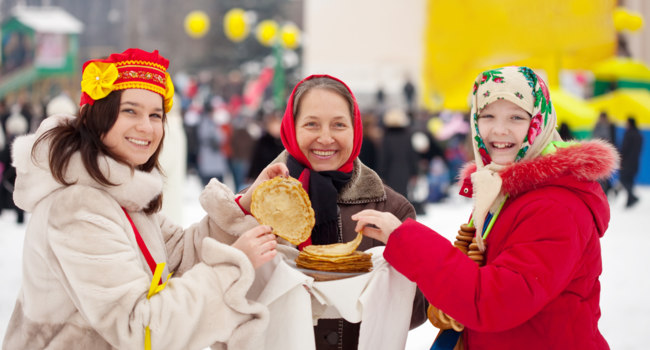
521 86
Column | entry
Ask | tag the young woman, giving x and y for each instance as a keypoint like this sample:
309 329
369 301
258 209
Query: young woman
98 257
539 213
322 133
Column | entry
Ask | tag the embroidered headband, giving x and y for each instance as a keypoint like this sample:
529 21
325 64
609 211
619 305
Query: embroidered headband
131 69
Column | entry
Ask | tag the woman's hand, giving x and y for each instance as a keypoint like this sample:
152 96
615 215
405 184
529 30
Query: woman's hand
383 224
271 171
258 244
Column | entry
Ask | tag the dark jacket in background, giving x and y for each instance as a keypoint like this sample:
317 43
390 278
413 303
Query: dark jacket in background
399 162
630 154
265 151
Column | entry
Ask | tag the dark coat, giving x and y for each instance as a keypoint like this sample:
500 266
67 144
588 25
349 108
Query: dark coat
630 154
399 162
266 149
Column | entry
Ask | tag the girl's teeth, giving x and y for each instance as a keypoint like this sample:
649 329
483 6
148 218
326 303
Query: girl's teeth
139 142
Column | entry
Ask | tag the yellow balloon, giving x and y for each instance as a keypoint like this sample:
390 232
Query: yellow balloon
435 125
635 22
626 20
290 35
197 23
267 32
620 17
235 25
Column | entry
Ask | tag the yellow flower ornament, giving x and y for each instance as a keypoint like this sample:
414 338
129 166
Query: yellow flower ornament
169 93
98 78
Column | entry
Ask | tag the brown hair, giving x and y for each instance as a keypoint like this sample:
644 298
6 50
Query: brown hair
322 83
84 135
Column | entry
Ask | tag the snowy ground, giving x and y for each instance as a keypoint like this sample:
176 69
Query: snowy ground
625 321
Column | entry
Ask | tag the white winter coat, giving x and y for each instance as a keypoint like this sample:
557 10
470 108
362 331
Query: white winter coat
85 280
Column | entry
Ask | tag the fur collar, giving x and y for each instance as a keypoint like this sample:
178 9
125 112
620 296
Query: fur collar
585 161
134 189
365 186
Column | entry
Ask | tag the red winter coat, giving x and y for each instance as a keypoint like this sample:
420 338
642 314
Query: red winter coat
539 288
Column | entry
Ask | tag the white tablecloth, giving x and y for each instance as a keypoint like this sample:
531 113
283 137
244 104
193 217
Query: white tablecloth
381 300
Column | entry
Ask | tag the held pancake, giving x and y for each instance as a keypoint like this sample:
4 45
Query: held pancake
336 249
283 204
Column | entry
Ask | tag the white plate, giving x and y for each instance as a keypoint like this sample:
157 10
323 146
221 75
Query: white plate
323 275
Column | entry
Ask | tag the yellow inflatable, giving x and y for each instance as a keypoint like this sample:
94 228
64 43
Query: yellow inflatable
463 38
574 111
623 103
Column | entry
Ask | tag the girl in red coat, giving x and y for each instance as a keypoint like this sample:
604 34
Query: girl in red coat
538 213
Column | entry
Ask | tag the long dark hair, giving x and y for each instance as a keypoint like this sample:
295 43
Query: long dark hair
84 135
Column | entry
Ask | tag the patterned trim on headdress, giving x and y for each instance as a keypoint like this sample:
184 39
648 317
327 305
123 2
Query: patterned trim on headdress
131 69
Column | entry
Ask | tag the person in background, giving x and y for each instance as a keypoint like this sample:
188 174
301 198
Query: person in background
3 140
211 159
268 146
322 133
538 216
15 126
605 130
102 268
409 94
369 154
398 160
565 132
630 158
241 145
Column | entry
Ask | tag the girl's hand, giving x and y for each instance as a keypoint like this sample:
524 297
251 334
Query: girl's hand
271 171
383 224
258 244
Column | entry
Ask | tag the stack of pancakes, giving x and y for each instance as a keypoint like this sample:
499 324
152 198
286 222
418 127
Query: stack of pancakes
337 257
284 205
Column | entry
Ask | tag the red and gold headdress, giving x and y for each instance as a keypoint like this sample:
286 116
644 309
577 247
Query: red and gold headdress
131 69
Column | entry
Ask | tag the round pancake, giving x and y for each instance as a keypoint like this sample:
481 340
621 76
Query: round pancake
283 204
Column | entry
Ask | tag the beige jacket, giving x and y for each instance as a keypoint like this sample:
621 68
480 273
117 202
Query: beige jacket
85 280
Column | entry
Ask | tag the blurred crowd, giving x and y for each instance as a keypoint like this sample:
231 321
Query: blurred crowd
232 131
228 127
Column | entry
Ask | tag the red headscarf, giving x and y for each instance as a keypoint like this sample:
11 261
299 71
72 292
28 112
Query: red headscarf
288 130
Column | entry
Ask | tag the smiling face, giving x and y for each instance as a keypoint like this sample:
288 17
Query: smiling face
138 130
324 129
503 126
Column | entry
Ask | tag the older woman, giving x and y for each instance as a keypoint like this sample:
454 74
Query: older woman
322 133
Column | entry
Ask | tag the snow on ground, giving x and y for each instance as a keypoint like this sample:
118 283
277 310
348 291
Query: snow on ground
625 305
